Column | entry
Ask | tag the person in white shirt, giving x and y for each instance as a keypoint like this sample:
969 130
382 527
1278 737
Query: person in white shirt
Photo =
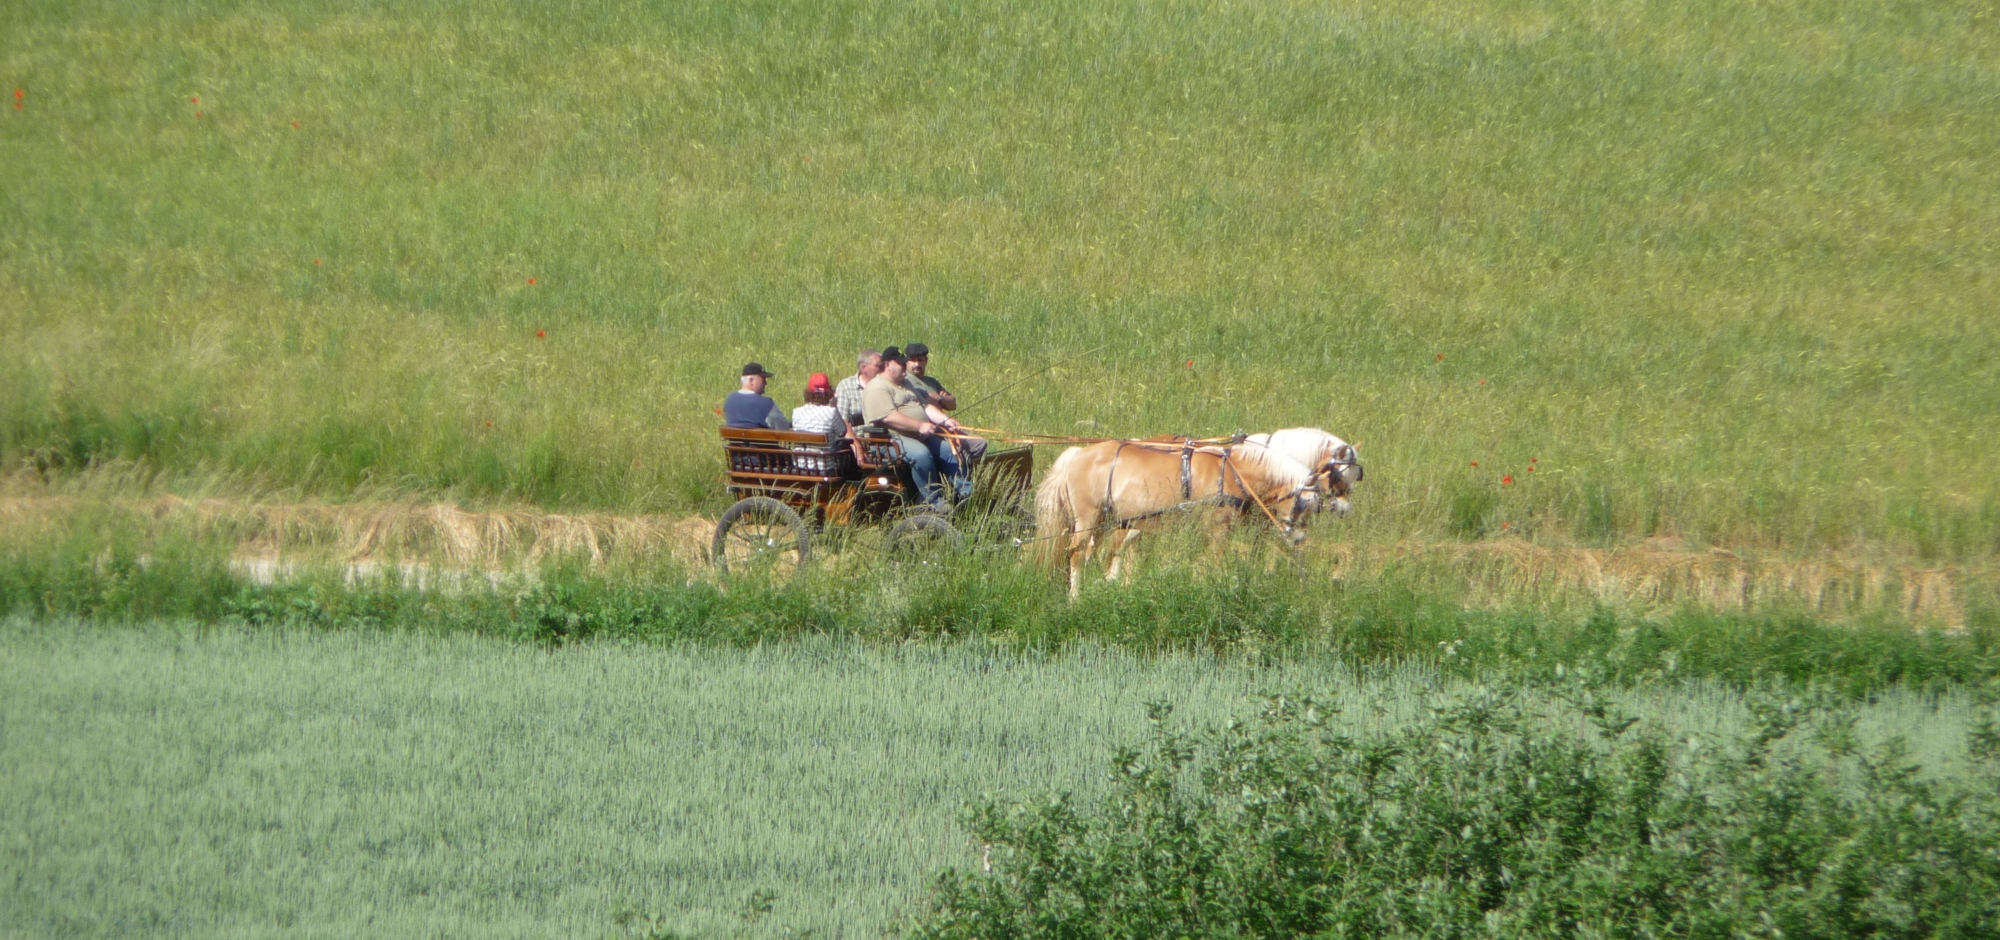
819 416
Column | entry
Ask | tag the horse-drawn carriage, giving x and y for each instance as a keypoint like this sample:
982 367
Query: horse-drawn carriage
790 485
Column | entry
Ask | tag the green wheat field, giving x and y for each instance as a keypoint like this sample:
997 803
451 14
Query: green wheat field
1666 332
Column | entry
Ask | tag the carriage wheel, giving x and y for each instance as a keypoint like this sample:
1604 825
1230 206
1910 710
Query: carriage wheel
1001 527
924 538
761 536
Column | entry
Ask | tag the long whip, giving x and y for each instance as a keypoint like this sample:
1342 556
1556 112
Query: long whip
1035 374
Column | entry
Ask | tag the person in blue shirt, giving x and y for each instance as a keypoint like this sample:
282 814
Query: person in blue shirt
747 407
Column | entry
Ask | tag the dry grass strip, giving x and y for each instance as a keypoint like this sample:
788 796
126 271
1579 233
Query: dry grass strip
1656 574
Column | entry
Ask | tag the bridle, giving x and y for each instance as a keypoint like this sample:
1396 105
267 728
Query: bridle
1334 471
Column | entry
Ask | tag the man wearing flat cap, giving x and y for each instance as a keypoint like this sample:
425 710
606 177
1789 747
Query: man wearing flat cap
887 401
747 407
971 449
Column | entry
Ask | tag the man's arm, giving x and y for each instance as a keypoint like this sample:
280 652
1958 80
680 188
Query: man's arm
776 420
899 421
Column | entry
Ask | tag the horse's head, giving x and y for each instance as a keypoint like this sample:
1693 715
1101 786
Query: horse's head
1336 475
1335 464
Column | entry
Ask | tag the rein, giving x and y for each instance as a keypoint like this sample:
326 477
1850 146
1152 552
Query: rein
1040 440
1284 527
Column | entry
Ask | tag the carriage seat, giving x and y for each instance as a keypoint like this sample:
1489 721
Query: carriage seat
880 452
803 456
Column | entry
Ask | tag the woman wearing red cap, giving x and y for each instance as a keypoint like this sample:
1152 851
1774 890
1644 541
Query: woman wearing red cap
818 415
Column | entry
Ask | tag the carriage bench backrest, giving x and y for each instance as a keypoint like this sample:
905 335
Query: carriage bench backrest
800 455
786 455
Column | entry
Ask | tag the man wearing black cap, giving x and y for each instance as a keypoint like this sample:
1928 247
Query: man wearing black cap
887 401
748 408
971 449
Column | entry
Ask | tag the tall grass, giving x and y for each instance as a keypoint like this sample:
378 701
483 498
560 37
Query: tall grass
1247 606
1721 272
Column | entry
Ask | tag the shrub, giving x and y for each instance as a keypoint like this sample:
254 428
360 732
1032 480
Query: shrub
1484 820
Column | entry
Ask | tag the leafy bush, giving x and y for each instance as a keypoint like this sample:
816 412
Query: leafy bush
1487 820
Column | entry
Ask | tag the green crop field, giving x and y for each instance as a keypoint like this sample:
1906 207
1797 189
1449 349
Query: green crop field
233 783
358 376
1720 272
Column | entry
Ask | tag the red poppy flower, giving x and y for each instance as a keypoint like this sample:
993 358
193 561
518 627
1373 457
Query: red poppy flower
1534 460
1190 363
1475 463
295 124
531 282
1440 357
20 93
195 100
1531 469
315 260
1507 481
1482 381
541 334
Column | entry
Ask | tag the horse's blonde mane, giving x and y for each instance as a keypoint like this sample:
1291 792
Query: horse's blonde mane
1310 446
1281 467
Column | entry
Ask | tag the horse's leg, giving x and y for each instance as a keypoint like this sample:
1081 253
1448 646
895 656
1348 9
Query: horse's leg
1082 543
1124 541
1220 521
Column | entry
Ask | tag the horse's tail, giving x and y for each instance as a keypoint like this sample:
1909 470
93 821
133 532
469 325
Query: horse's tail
1055 513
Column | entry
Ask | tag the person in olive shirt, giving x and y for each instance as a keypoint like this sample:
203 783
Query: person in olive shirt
972 449
887 401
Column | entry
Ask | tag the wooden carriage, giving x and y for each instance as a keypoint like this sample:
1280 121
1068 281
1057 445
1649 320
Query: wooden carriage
791 485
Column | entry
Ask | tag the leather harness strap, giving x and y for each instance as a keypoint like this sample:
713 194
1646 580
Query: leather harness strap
1187 470
1223 470
1112 473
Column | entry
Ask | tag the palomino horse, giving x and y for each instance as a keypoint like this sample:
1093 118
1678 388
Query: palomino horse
1124 484
1335 464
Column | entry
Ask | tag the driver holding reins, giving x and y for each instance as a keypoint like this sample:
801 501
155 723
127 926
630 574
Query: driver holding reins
888 402
933 393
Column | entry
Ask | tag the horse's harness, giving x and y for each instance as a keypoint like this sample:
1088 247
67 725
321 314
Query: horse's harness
1222 497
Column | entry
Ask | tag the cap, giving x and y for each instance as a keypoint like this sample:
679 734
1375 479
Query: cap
756 368
917 351
819 383
892 354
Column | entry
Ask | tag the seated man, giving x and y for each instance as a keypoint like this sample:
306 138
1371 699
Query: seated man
847 395
748 408
934 394
888 402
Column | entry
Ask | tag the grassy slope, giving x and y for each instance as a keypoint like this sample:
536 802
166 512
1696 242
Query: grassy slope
245 782
1721 271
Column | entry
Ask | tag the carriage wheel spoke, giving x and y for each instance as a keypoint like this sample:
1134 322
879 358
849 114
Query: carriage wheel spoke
760 536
